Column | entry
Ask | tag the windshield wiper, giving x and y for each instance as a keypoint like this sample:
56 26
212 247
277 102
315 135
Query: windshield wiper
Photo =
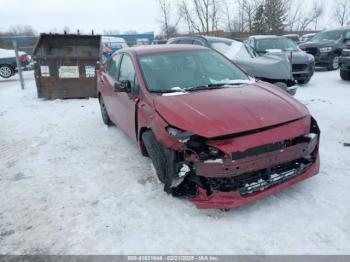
212 86
197 88
167 91
204 87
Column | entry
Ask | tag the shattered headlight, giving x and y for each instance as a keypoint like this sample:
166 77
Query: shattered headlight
180 135
195 143
325 49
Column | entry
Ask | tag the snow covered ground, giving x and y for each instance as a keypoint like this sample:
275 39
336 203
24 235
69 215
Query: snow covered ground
70 185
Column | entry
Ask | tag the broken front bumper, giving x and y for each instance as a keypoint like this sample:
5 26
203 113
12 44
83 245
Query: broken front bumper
227 200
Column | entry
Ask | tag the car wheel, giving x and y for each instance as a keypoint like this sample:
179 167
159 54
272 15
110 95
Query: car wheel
305 81
345 75
156 153
334 63
6 71
104 113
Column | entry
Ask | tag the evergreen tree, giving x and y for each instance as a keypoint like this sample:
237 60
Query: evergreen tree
275 14
259 23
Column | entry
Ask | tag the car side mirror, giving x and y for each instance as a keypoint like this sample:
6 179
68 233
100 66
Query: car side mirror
123 86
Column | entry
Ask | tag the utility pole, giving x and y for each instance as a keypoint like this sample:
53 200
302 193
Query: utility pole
19 67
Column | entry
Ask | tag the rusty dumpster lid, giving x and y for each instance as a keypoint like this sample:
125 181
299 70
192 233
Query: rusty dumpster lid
62 39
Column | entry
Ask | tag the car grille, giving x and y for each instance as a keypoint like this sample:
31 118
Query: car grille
250 184
346 52
312 51
299 67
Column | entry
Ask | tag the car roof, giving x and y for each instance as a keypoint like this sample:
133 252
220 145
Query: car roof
259 37
157 49
291 35
208 38
310 34
214 38
337 29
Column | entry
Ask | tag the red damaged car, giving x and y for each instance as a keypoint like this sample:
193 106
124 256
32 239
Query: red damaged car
214 134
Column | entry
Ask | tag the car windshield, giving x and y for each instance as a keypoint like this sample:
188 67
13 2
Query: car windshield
220 45
240 51
326 36
293 38
283 44
189 71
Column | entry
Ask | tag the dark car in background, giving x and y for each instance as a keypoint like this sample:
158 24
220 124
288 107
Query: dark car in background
269 68
327 47
345 64
8 64
294 37
303 64
306 38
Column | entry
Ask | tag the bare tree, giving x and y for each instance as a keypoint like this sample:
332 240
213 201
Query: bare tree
186 15
169 28
249 10
342 12
25 30
111 32
227 10
241 14
300 18
317 12
295 15
130 32
201 16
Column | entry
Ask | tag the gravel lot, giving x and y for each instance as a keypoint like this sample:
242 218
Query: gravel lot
70 185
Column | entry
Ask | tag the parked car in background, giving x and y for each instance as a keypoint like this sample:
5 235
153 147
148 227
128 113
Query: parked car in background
214 134
114 43
306 38
345 63
159 42
294 37
110 44
269 68
8 64
326 47
303 64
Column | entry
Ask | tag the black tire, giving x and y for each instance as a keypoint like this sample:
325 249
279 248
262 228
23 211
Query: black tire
334 63
345 75
104 113
156 153
304 82
6 71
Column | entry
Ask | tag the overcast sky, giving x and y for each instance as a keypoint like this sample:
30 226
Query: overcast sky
100 15
44 15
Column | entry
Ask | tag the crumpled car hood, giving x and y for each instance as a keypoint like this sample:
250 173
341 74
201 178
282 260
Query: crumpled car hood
215 113
267 66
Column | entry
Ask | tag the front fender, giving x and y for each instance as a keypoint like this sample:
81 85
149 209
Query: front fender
149 119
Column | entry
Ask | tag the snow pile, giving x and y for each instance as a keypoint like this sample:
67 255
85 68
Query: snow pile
70 185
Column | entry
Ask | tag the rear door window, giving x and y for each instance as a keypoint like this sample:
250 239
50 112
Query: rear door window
186 41
196 42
